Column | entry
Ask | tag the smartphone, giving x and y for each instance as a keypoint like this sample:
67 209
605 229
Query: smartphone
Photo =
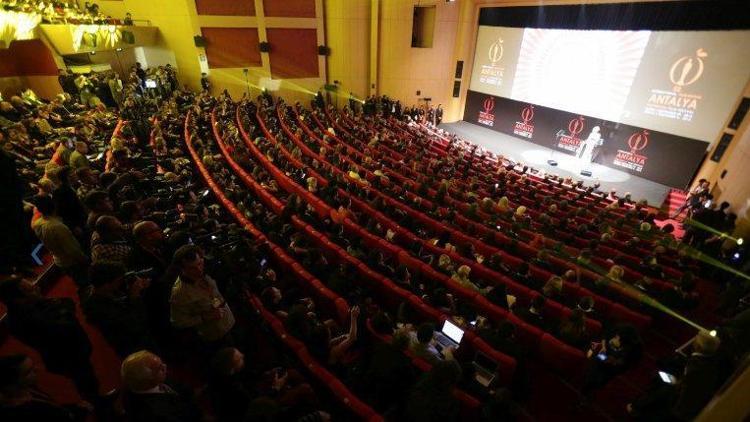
602 356
667 378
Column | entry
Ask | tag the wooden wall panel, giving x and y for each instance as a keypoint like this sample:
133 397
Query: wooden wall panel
294 53
27 58
226 7
289 8
232 47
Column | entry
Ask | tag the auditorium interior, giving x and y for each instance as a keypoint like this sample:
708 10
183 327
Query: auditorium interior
376 210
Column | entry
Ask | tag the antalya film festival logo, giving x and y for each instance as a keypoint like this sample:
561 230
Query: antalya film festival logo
638 141
687 70
487 116
575 126
571 141
632 160
489 104
495 51
527 114
525 128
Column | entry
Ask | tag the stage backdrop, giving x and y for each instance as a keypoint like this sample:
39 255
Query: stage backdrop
664 158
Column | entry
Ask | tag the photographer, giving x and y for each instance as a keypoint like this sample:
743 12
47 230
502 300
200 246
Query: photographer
116 307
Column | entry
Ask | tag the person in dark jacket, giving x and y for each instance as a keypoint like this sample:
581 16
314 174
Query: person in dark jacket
116 308
50 326
432 399
22 400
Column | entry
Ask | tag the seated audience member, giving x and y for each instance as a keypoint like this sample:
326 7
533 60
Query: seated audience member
534 313
333 350
573 329
98 203
22 400
553 288
495 263
116 308
431 399
461 276
421 343
610 357
196 302
232 388
148 397
108 242
50 326
500 297
59 240
229 390
523 274
148 252
614 275
390 372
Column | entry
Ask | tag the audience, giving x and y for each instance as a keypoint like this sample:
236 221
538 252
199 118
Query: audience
125 196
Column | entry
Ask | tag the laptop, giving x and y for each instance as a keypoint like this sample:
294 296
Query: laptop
485 369
450 335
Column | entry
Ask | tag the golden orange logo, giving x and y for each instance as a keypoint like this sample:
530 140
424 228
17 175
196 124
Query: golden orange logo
687 69
495 52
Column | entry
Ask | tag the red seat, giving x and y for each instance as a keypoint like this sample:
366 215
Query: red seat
565 359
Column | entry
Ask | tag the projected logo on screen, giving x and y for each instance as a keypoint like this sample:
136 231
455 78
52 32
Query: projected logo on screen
675 103
570 141
632 159
525 127
492 73
487 115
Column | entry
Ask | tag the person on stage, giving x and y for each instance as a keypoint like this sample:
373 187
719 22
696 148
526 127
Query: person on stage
586 153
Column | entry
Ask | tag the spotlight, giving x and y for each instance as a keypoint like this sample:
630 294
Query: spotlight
92 52
740 241
118 49
712 333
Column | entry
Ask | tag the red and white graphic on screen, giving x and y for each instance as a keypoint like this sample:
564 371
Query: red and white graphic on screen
631 159
492 73
676 103
525 127
571 141
487 116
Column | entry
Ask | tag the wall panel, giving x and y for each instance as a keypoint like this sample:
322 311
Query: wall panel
232 47
289 8
294 53
225 7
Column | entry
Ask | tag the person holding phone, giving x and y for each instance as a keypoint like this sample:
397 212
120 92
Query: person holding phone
682 395
610 357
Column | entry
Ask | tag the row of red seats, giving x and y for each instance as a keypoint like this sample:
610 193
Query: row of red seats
531 336
339 391
604 306
385 285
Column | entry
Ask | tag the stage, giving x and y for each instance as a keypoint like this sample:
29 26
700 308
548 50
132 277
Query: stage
568 166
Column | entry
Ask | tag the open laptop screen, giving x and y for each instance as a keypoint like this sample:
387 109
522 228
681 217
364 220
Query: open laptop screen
453 331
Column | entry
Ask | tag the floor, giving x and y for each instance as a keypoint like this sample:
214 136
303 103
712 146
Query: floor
568 166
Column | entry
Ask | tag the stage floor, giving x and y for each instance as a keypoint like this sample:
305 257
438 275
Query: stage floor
568 166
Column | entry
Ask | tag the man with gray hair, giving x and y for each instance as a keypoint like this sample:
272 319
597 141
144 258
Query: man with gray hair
148 397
